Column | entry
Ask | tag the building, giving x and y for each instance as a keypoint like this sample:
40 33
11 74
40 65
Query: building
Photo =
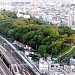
49 62
23 15
72 61
4 69
43 65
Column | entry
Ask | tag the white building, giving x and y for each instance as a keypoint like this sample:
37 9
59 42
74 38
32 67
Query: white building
21 15
72 61
49 62
55 66
70 19
43 65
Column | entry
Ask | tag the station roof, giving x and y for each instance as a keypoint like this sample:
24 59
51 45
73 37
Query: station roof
9 58
3 69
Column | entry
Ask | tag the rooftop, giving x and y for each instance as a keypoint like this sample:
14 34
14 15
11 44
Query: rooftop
10 59
3 69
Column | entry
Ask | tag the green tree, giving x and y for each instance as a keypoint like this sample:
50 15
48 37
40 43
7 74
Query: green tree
1 16
42 50
55 47
66 30
53 32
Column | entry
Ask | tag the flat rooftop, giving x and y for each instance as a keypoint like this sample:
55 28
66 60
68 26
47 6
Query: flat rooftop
10 59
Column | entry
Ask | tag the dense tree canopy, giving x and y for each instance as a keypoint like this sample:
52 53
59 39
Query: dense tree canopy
34 32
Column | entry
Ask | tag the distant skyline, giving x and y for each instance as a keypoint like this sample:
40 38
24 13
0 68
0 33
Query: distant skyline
70 1
13 0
